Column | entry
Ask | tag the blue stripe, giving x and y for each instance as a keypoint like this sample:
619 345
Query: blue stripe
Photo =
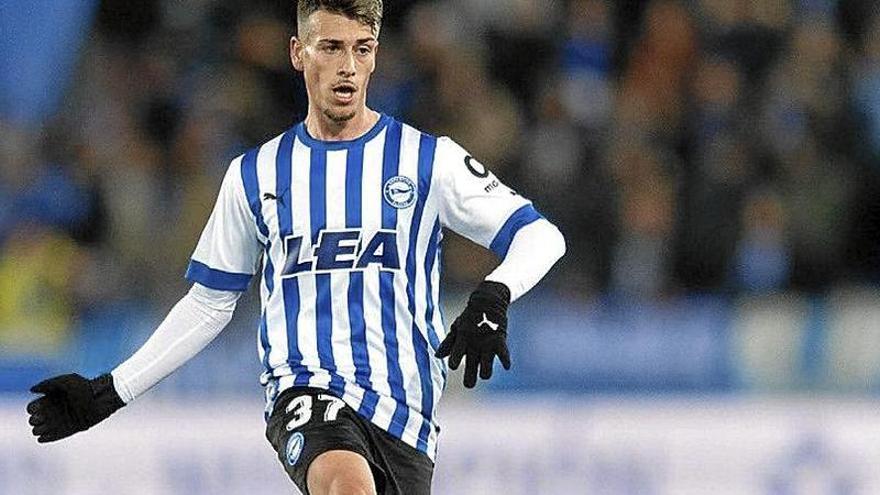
251 182
519 219
390 167
438 260
216 279
269 278
323 303
368 403
427 145
264 341
430 258
269 271
289 286
395 375
359 350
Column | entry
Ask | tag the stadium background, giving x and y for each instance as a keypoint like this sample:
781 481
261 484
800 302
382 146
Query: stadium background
714 327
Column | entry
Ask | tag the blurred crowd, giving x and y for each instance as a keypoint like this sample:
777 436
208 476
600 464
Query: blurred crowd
681 145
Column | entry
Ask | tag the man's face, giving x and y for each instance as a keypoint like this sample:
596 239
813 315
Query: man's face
337 56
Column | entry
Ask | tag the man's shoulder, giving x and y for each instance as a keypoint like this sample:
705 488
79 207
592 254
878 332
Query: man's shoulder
273 142
250 154
445 140
444 144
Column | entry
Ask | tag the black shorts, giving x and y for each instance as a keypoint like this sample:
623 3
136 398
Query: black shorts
306 422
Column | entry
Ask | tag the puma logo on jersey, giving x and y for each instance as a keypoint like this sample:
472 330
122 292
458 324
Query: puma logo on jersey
492 326
273 197
341 250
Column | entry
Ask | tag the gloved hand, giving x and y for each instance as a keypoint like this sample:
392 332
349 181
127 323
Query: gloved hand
479 333
71 404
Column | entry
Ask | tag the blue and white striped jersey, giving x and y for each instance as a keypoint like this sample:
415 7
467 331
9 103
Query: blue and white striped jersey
347 235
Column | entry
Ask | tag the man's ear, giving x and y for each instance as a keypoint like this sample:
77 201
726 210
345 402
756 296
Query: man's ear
296 53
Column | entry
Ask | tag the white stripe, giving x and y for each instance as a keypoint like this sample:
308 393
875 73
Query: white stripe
429 217
371 221
284 383
353 395
264 290
301 212
341 328
384 411
264 303
408 166
439 324
275 324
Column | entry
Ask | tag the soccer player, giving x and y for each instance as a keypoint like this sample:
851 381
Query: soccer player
342 215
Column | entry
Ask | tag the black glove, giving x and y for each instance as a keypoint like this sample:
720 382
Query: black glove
479 333
71 404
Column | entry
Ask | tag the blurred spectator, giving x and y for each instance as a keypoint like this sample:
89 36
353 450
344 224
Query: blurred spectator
37 272
652 88
586 64
517 40
38 186
708 145
867 84
818 194
642 254
762 260
720 171
750 33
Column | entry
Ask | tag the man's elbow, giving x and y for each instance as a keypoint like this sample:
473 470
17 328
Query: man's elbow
556 243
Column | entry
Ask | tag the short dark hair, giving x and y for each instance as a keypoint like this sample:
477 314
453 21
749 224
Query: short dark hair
367 12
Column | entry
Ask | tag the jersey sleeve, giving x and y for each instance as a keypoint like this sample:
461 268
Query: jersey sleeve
475 204
229 249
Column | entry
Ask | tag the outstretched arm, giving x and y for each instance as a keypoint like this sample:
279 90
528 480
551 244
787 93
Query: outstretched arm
71 403
224 261
480 332
534 250
477 205
190 326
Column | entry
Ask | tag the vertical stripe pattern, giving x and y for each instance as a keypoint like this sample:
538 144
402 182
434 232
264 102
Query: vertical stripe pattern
355 296
323 305
390 163
251 184
420 343
365 332
287 209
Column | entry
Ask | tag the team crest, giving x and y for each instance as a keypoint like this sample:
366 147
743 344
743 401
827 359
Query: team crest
400 192
294 448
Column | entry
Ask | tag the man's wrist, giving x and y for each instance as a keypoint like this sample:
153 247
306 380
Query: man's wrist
105 394
495 293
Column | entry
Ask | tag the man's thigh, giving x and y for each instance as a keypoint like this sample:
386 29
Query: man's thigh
340 471
406 471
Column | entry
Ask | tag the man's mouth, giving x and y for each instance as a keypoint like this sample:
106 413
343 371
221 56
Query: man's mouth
344 92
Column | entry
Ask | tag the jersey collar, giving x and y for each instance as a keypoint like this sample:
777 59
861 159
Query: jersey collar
303 134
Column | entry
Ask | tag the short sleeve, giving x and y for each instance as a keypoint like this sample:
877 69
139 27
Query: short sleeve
229 250
474 202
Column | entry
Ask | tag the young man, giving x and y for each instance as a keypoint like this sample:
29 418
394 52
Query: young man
342 214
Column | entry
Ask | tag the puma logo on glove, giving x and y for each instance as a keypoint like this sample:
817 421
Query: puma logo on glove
479 333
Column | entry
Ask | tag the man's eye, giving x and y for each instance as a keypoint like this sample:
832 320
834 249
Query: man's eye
364 50
331 48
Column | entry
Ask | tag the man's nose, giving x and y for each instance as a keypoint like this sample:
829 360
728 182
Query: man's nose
347 68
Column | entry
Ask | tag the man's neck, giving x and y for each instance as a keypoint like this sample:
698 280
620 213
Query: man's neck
322 128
